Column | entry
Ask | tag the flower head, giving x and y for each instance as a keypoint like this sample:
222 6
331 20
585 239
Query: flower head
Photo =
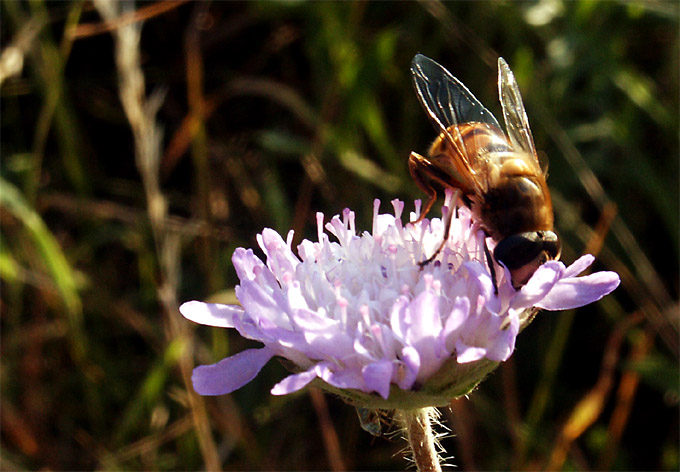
361 317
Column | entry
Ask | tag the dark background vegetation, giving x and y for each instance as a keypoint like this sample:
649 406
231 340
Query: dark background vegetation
272 112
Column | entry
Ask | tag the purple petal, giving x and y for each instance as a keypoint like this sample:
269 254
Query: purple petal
244 261
398 317
424 330
249 267
268 332
280 259
307 250
408 373
381 223
543 280
458 315
480 275
309 320
231 373
333 343
465 353
579 265
422 318
377 377
249 329
211 314
294 297
345 378
579 291
257 302
385 339
504 344
293 383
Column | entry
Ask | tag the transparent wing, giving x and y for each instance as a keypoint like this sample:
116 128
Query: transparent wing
516 121
449 103
445 99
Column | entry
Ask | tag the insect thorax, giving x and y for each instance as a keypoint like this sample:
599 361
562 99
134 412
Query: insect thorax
515 199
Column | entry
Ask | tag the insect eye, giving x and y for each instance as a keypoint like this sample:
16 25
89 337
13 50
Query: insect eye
519 249
552 244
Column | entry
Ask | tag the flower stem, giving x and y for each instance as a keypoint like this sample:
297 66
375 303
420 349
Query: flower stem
418 428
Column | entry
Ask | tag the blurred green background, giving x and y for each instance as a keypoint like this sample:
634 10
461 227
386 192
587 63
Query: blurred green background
260 114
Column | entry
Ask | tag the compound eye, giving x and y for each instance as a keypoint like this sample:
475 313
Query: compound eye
552 244
519 249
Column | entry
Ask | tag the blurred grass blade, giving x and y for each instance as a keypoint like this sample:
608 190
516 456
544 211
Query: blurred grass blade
12 58
369 171
151 389
642 91
51 253
660 373
9 269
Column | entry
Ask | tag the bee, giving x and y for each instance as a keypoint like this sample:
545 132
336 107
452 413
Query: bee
496 174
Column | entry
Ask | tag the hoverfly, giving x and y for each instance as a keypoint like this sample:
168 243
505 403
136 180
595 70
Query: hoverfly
496 174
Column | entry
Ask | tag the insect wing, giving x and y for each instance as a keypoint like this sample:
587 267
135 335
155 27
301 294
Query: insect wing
516 121
449 104
446 100
369 421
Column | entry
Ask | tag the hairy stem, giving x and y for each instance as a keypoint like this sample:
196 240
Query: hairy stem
418 428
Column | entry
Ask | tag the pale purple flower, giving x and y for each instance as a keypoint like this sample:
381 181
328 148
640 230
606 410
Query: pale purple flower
361 313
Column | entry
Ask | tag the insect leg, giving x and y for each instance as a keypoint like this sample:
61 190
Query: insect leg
489 262
416 163
448 219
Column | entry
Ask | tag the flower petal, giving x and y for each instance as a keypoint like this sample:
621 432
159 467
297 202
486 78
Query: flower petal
231 373
504 343
344 378
398 317
480 275
259 303
249 267
280 259
211 314
377 377
543 280
465 353
579 265
293 383
423 332
458 315
409 370
329 343
578 291
422 319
